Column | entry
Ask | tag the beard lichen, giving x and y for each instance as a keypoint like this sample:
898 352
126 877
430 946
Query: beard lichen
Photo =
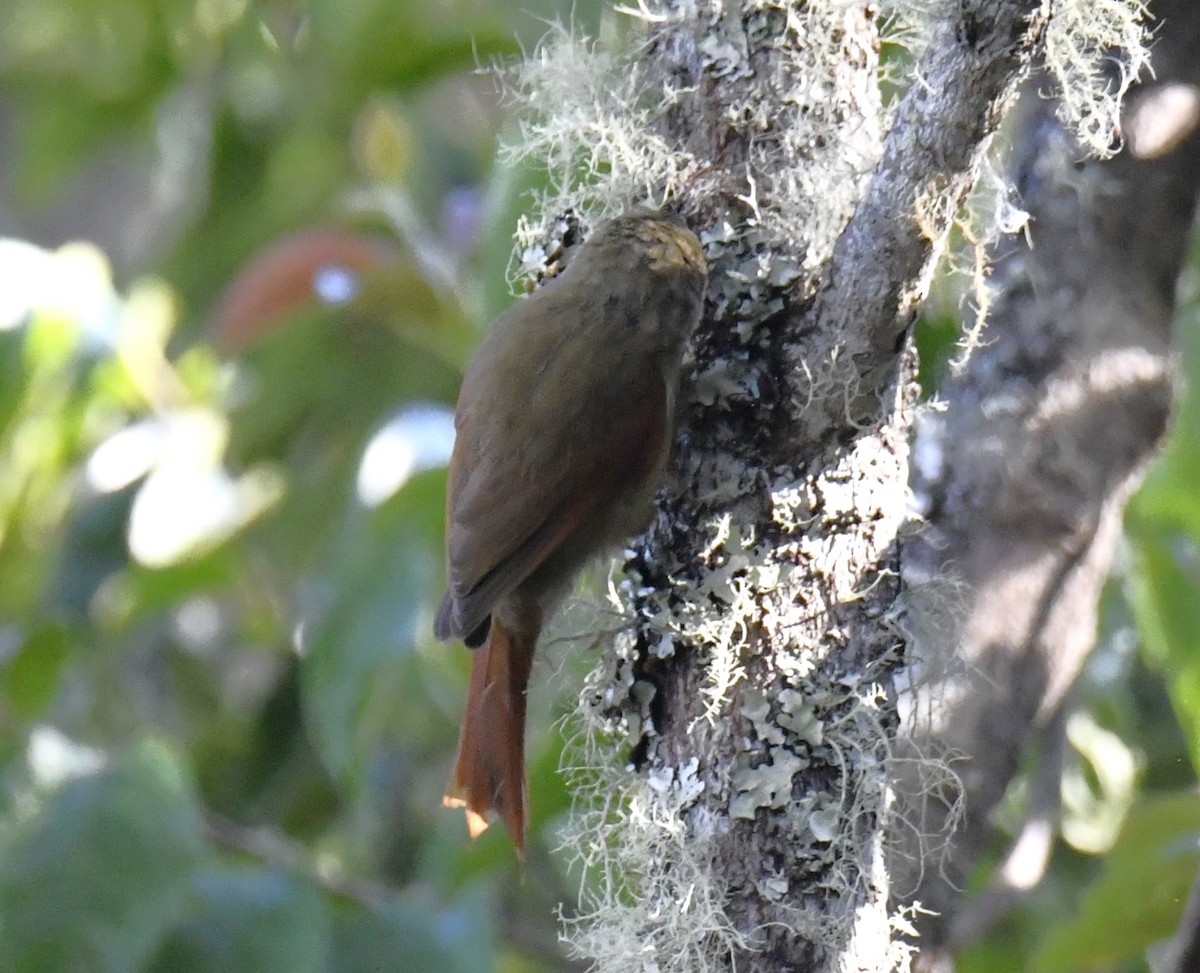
651 835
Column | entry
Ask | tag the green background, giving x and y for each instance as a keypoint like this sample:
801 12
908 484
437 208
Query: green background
224 725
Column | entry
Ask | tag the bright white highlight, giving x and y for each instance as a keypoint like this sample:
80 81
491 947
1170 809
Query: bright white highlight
55 758
126 456
418 438
72 283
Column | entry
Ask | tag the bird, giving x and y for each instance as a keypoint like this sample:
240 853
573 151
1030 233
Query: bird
563 427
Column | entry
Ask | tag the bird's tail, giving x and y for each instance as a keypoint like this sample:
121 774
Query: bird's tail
489 774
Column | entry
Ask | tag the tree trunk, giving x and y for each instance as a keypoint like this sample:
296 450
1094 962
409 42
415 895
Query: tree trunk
755 677
1044 436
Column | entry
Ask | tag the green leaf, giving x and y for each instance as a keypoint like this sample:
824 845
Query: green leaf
1139 896
1163 584
383 572
936 337
95 878
13 378
258 920
413 934
30 679
1163 596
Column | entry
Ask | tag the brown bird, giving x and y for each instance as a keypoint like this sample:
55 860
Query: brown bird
563 425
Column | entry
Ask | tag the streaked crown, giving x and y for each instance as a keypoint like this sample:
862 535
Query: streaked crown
665 237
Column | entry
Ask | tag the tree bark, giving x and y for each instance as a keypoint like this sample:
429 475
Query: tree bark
756 680
1043 438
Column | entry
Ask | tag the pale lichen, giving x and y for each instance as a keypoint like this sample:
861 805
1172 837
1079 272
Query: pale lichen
1096 49
653 902
593 119
769 78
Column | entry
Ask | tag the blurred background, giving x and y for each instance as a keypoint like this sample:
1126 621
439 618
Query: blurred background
245 250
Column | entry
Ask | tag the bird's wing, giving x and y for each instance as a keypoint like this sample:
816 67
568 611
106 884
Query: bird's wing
507 515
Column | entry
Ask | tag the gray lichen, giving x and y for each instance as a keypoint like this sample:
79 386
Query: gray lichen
760 608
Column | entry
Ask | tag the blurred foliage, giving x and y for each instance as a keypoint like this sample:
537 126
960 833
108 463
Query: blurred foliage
224 727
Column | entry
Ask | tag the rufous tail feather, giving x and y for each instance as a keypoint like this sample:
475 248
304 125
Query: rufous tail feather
489 774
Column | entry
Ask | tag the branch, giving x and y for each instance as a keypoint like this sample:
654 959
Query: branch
756 681
1045 435
274 849
882 264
